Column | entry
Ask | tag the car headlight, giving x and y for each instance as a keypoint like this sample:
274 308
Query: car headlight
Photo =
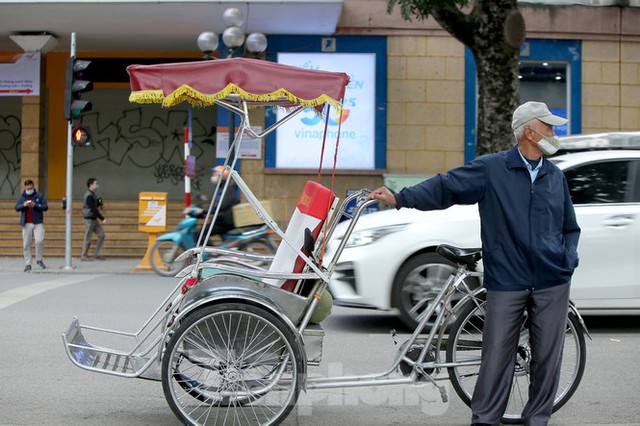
368 236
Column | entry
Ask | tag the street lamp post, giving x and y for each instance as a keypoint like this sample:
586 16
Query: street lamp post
233 37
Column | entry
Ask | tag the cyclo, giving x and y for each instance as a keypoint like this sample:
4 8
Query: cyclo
233 342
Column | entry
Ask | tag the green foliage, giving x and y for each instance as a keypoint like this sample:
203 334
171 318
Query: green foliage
422 8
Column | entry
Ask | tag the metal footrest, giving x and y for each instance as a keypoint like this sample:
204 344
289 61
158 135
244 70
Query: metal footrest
313 336
108 361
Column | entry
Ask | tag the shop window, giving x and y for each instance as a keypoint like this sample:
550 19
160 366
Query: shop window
599 183
546 81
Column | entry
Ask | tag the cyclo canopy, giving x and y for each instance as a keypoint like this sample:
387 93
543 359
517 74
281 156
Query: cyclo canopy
255 81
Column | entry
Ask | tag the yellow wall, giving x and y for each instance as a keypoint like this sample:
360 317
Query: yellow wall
425 119
56 125
610 86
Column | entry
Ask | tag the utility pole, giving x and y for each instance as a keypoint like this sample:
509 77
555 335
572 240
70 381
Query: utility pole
74 106
69 192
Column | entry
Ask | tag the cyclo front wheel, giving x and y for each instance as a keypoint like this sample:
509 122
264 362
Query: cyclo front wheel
231 364
465 346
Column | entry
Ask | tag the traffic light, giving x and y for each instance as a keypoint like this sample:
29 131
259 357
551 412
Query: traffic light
75 87
80 136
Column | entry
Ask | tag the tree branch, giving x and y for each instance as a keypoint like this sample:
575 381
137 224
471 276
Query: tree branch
454 21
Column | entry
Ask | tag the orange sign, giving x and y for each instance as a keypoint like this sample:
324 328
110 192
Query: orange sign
152 212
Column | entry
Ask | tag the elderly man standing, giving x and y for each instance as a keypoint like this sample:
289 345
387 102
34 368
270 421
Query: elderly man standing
529 238
31 204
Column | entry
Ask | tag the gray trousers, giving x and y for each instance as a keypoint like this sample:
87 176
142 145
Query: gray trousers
30 232
91 226
547 312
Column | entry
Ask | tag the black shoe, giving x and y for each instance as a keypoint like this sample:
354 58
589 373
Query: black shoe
41 264
27 268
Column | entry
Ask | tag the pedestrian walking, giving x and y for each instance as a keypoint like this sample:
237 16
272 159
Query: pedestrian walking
31 204
529 238
93 221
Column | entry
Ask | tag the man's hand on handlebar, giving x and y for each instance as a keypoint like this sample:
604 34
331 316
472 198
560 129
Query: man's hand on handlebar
383 194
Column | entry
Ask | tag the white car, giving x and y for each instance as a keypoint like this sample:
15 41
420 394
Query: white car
390 260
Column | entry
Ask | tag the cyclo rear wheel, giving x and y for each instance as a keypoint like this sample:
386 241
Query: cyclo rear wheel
232 363
465 344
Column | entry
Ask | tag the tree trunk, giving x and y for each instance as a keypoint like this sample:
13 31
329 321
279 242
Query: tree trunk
498 85
495 47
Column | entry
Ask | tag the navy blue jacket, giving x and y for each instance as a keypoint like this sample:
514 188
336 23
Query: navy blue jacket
40 206
529 231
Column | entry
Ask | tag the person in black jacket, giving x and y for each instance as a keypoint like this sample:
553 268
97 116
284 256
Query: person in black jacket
529 239
93 221
31 204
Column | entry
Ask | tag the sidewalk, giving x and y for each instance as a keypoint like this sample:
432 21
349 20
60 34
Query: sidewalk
56 265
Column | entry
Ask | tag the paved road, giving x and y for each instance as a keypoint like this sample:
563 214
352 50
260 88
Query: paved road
40 386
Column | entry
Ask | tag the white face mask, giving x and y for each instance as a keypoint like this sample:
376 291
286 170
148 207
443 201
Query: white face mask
549 145
214 179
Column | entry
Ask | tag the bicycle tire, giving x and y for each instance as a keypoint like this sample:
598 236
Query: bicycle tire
163 263
232 363
465 343
418 282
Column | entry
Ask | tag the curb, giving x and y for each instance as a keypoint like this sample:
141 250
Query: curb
56 266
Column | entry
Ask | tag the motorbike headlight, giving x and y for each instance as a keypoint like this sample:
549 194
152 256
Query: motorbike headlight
368 236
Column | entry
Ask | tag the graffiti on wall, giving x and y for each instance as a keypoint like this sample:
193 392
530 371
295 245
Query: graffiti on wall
136 149
146 145
10 130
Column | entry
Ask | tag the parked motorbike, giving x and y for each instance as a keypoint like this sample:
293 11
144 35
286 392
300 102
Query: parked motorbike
255 239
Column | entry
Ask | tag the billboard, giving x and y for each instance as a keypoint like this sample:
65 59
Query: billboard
299 142
20 74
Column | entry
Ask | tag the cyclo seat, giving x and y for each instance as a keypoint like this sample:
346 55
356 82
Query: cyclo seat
461 256
311 213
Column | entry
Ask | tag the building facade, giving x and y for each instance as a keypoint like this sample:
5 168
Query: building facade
584 61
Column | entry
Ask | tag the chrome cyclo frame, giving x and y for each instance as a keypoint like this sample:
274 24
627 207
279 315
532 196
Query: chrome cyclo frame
455 282
142 360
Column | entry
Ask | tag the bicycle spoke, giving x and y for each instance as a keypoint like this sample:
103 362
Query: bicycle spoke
232 367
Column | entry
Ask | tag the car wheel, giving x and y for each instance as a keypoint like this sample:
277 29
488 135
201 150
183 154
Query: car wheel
418 282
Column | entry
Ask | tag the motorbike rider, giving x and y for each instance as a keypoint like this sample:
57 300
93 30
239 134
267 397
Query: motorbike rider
224 221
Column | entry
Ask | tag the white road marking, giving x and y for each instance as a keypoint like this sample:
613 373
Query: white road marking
16 295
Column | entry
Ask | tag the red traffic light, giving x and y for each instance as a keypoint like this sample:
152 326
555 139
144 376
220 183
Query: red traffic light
80 136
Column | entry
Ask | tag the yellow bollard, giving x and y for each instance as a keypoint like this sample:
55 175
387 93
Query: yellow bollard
145 263
152 219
